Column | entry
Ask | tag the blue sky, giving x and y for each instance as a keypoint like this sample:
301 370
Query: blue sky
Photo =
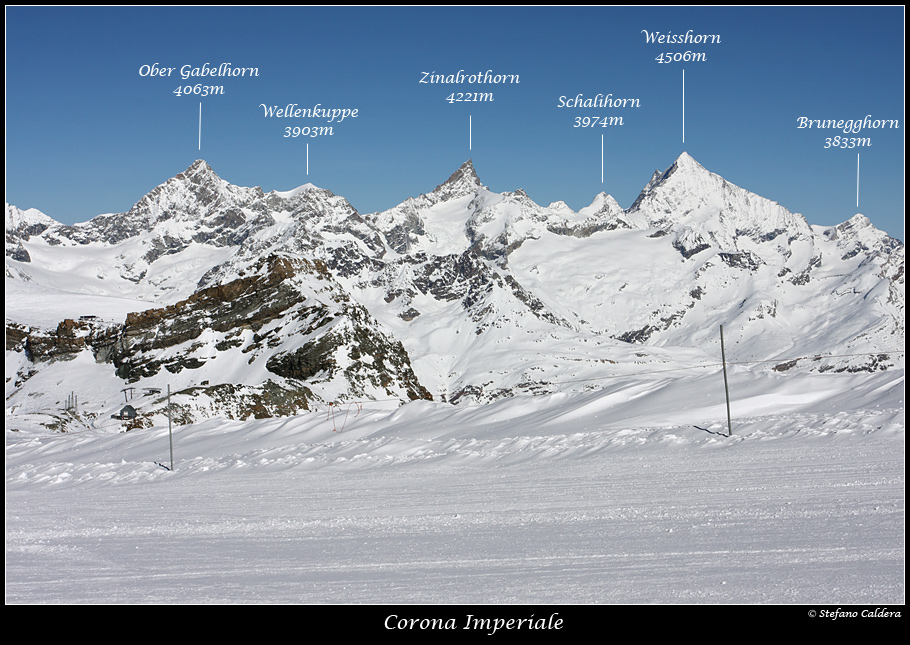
86 134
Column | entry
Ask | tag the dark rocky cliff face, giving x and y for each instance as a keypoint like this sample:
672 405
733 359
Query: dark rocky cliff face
253 317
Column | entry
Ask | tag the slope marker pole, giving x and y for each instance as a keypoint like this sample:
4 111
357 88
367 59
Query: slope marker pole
170 435
723 358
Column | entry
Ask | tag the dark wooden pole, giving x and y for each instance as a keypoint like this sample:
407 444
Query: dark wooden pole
170 436
723 358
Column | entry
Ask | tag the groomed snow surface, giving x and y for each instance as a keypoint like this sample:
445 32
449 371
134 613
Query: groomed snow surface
628 494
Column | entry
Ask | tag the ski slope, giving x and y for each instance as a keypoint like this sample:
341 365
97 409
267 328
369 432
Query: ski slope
628 494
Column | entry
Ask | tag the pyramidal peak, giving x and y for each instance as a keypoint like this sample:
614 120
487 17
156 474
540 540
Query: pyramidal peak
685 164
199 179
198 171
685 173
465 173
463 181
199 164
685 160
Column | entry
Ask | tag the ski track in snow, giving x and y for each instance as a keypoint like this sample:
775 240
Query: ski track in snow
529 500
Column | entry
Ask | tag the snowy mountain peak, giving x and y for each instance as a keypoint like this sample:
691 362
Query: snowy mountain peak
200 181
199 174
20 226
197 168
685 160
704 210
287 194
462 182
855 227
685 165
859 236
858 221
465 174
29 218
602 203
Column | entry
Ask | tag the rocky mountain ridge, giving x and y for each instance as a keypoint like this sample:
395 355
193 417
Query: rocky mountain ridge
461 294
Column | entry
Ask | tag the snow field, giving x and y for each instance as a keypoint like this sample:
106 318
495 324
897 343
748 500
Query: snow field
566 499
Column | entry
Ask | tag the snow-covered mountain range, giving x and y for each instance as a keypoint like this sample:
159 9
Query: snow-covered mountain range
253 304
